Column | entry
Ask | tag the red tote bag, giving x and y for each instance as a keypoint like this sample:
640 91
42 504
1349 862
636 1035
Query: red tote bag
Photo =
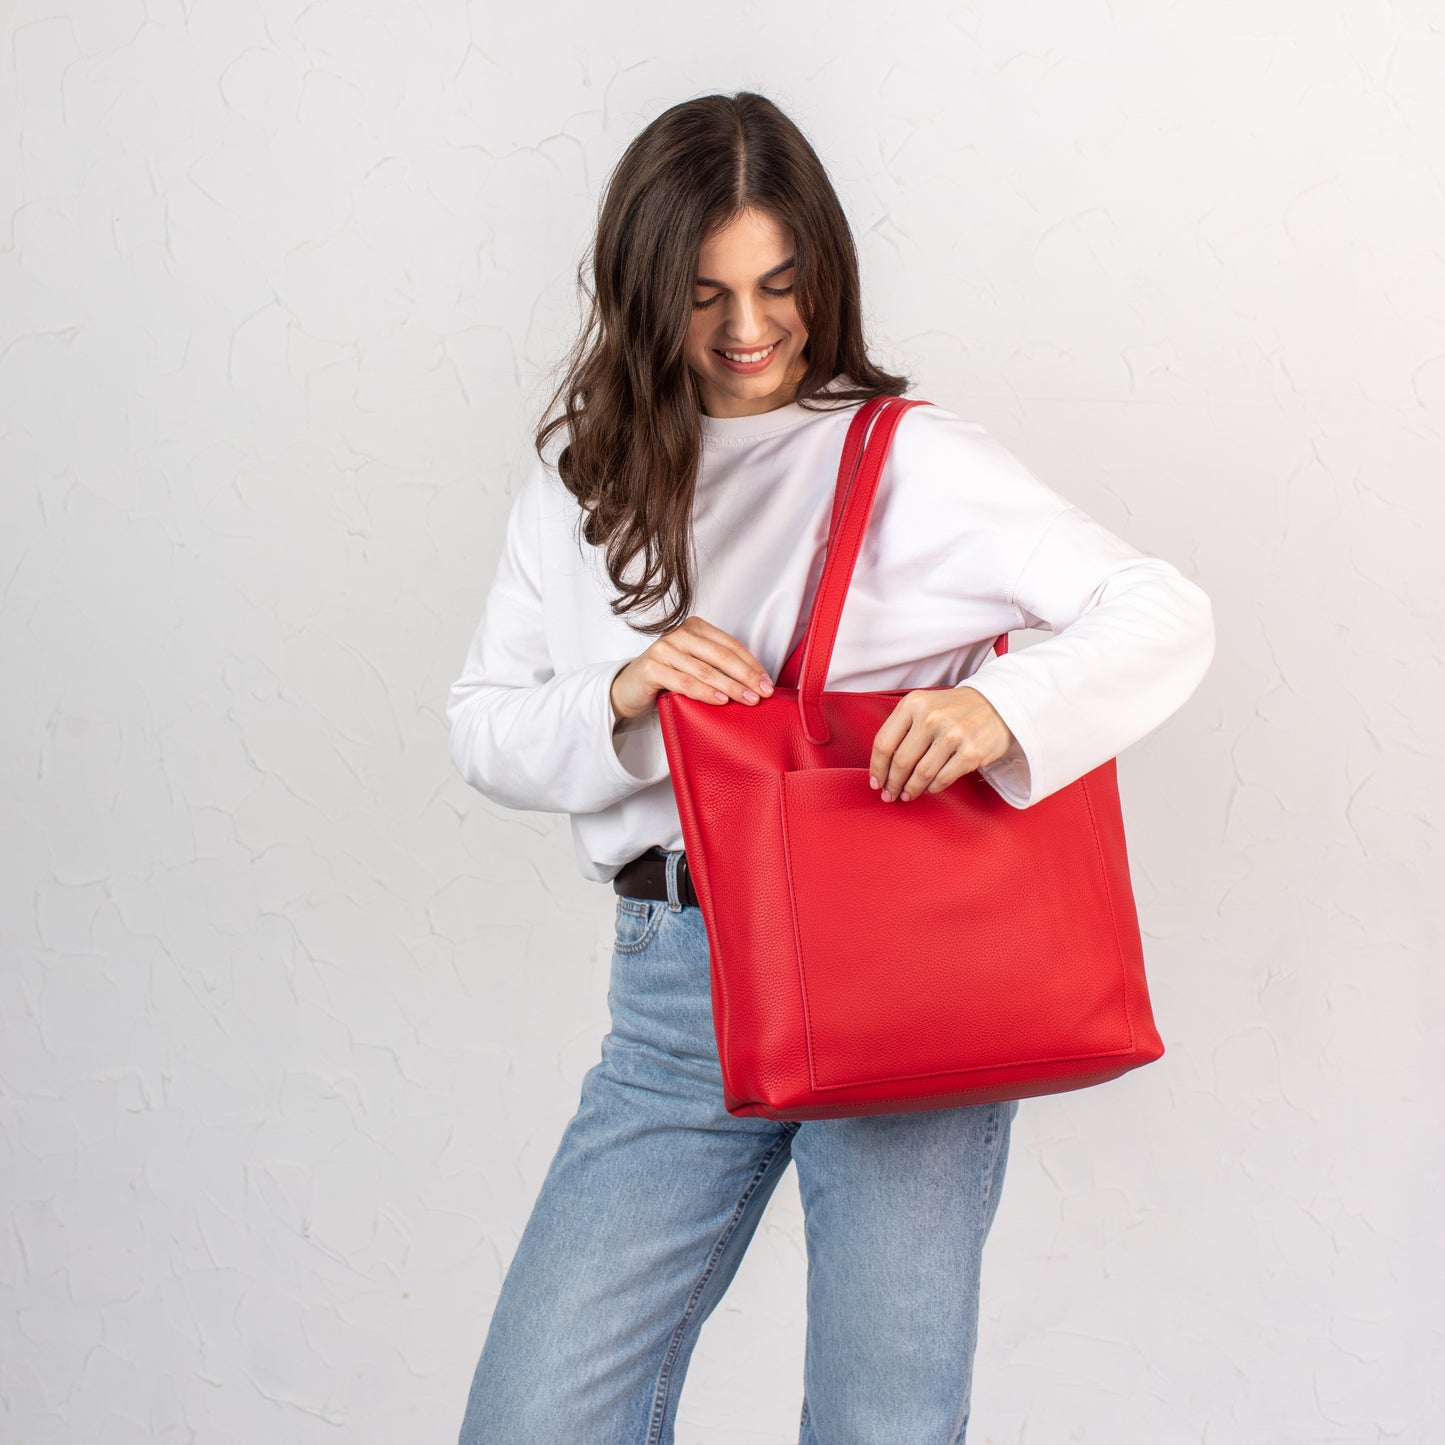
876 958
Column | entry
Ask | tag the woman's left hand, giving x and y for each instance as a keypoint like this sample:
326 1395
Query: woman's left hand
934 736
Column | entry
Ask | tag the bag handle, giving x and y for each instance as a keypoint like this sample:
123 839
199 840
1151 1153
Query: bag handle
847 470
843 550
859 471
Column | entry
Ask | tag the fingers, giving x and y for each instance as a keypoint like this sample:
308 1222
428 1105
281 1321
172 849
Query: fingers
721 666
885 764
684 679
911 769
920 750
724 644
942 764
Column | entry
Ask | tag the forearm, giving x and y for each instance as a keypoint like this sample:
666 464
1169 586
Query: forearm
550 747
1136 653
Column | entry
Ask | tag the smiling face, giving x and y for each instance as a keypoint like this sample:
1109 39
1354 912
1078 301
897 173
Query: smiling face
743 307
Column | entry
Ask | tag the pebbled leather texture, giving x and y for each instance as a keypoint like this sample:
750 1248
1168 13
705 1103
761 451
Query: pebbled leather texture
872 958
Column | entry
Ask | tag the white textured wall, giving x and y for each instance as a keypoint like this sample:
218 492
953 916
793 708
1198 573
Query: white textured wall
291 1021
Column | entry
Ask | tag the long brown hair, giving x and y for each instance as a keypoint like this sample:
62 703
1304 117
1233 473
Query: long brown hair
629 399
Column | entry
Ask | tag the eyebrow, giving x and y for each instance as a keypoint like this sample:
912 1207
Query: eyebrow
781 266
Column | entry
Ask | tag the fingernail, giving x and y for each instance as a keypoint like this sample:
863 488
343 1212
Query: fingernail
886 795
720 696
750 694
872 781
766 686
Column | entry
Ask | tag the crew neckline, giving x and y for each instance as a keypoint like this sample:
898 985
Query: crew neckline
727 429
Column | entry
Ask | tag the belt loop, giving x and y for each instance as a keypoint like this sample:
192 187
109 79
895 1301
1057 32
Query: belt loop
674 892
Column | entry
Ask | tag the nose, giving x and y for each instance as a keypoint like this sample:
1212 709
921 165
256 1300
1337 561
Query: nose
747 323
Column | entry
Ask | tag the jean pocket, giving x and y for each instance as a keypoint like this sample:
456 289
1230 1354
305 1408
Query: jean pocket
637 922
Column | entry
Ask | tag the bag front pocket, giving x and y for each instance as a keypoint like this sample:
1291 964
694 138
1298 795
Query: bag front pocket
939 935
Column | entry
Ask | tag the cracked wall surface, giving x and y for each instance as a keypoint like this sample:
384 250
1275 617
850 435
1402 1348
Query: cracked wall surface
291 1020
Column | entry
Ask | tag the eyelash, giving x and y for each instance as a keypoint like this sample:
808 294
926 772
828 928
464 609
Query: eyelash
767 290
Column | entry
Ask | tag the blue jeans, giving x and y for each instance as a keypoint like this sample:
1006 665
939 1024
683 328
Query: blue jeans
655 1192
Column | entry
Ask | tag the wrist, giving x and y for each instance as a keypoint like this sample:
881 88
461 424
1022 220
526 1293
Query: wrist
617 714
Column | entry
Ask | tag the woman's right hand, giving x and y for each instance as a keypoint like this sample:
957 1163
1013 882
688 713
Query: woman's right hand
695 659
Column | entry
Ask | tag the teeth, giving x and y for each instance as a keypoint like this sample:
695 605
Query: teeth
748 355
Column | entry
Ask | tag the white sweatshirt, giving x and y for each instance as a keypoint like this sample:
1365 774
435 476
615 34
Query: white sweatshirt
963 543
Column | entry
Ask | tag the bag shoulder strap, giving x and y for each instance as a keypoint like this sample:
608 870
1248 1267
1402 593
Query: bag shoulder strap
852 505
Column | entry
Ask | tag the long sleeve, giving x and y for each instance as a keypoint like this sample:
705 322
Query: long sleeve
522 734
1133 639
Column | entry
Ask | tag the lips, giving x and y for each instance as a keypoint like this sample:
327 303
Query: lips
748 368
752 354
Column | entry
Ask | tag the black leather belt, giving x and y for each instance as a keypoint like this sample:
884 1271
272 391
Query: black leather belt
646 877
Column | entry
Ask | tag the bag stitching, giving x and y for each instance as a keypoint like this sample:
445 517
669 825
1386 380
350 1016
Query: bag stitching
1113 910
797 934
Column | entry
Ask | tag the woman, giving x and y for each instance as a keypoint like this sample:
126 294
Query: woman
704 410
